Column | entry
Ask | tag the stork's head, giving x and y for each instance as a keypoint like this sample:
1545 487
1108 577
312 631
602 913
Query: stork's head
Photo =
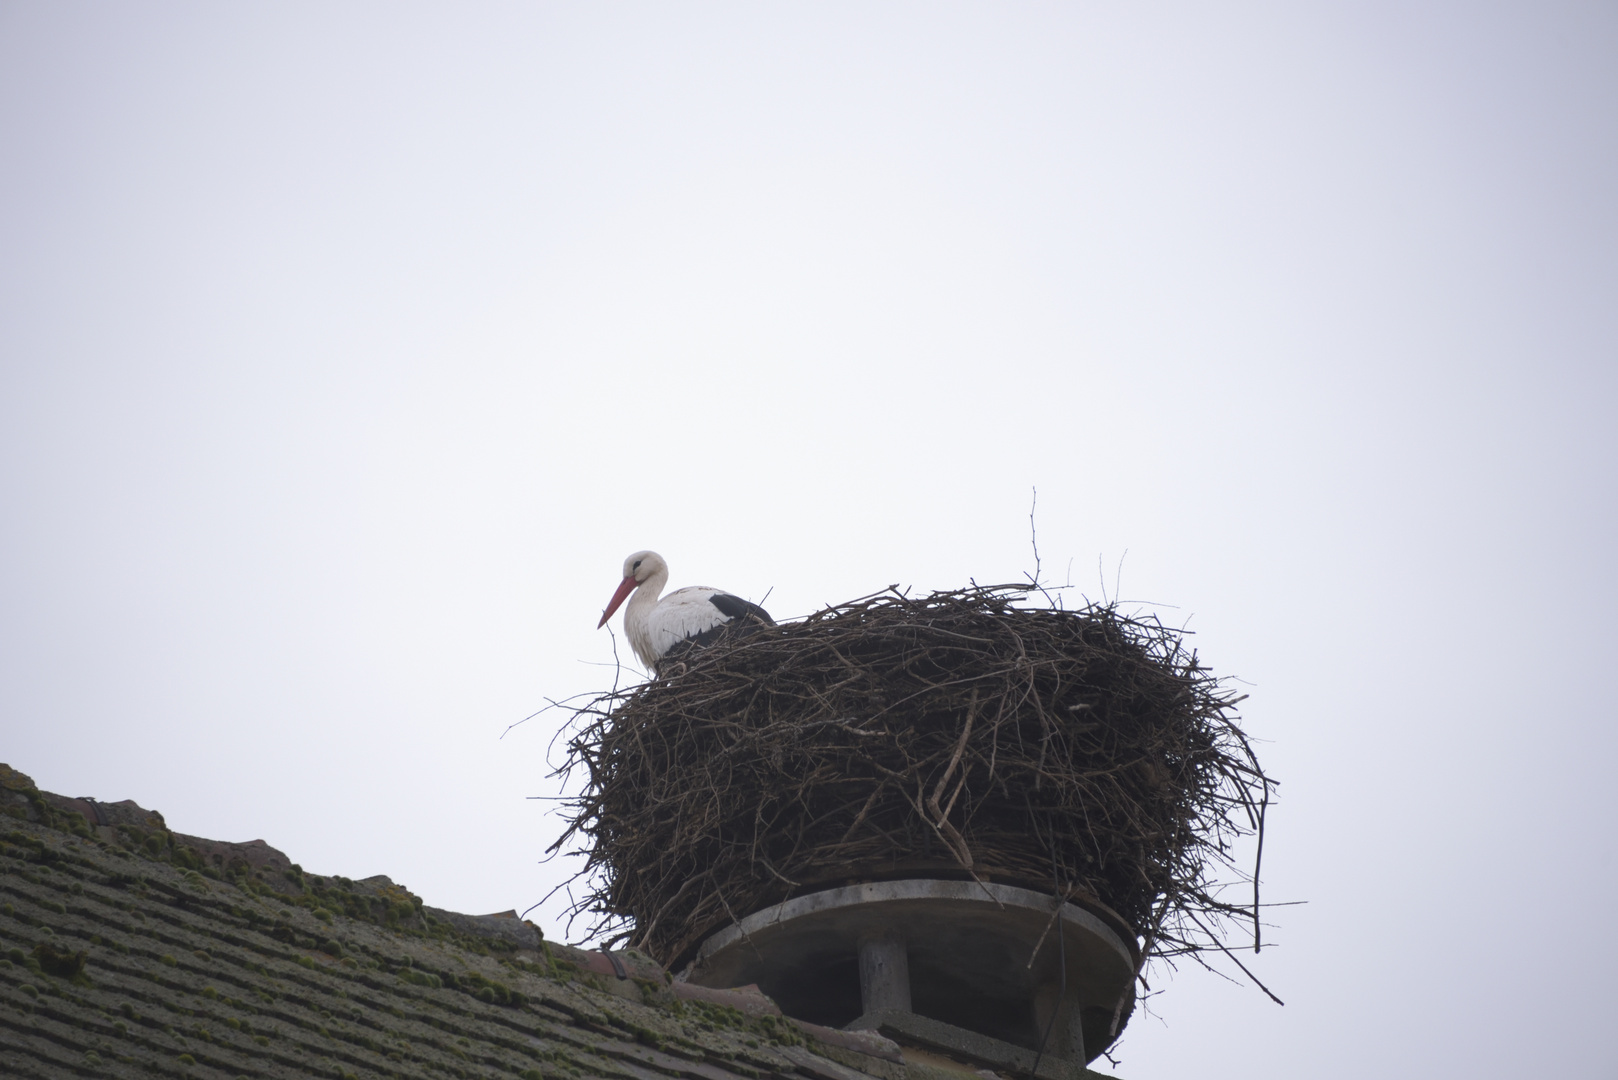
637 568
642 565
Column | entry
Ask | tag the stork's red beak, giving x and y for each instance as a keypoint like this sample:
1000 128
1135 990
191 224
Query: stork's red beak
625 587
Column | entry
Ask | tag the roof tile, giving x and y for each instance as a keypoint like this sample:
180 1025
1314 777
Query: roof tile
209 960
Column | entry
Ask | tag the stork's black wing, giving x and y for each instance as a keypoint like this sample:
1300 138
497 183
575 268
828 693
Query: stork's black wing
741 617
739 610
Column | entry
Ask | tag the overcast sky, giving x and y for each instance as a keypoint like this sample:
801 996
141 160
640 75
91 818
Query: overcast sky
347 349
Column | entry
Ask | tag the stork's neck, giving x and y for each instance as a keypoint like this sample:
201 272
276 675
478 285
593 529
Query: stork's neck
638 615
645 597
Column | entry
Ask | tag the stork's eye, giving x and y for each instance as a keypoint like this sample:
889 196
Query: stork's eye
637 564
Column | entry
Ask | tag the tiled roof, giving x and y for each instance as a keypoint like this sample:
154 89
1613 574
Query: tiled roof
132 951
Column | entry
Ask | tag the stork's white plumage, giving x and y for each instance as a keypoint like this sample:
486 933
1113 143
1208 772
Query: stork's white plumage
696 613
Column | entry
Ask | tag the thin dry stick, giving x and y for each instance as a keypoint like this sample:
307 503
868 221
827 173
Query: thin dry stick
1056 913
959 842
1258 862
859 818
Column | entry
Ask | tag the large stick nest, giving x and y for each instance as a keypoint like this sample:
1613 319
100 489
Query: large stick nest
1082 753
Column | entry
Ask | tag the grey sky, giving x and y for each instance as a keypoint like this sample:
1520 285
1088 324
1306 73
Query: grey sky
346 350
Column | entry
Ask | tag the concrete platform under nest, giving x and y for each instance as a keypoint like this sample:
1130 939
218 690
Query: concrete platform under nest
955 963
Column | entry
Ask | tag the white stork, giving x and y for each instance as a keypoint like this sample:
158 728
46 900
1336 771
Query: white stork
696 613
